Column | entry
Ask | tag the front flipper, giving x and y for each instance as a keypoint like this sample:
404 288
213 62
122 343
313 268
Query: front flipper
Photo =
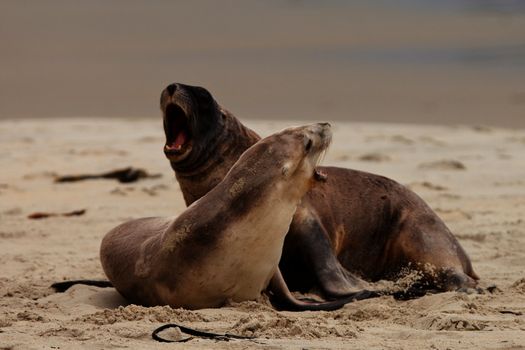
334 280
309 243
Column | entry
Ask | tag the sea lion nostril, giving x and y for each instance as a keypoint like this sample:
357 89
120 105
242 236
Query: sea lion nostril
171 89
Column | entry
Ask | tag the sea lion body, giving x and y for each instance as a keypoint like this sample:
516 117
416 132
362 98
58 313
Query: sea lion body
226 245
375 228
354 224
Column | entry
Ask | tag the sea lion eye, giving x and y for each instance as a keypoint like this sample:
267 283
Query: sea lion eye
308 145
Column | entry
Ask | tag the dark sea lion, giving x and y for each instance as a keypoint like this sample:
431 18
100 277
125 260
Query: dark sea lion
226 245
350 224
203 140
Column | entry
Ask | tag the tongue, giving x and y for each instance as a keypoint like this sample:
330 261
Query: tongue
179 141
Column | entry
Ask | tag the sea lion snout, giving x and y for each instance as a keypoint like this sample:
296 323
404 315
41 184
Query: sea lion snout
323 129
178 109
171 88
173 94
318 137
305 146
324 125
189 113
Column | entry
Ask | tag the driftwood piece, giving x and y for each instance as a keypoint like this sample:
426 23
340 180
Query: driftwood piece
125 175
43 215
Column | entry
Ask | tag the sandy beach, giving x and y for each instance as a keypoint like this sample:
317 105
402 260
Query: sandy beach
79 89
473 177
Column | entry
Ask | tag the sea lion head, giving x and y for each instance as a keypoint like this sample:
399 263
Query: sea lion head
283 163
190 113
305 146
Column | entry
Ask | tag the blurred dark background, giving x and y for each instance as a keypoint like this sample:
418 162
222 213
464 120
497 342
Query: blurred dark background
459 62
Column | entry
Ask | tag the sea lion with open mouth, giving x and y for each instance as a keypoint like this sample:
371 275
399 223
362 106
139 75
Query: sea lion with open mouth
226 245
349 224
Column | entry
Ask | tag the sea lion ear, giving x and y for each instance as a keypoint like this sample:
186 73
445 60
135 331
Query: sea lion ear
285 170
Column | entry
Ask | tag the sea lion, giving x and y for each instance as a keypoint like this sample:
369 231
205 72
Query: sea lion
226 245
351 224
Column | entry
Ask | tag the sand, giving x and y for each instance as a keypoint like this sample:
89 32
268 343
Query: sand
474 177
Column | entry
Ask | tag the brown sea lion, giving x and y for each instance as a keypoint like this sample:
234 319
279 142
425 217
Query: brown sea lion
351 224
226 245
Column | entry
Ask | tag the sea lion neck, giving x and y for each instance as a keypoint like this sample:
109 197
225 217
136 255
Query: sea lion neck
213 157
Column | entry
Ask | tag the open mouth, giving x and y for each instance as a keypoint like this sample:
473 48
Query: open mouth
177 130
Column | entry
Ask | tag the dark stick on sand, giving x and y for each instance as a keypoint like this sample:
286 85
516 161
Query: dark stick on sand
43 215
125 175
